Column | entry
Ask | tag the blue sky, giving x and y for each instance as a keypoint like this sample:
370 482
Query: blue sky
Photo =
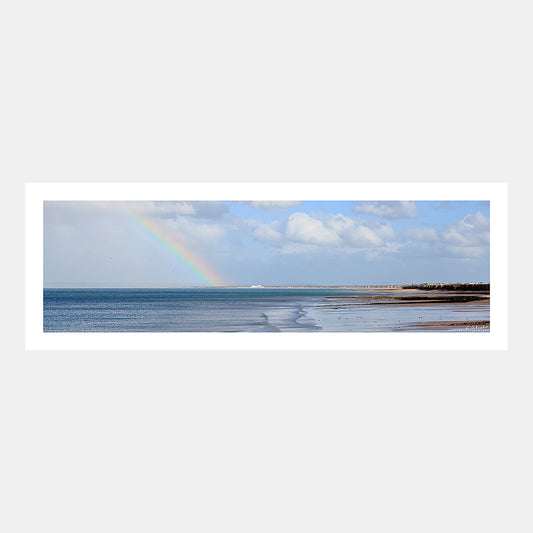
269 243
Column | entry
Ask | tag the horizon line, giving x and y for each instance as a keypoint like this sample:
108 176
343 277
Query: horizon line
259 286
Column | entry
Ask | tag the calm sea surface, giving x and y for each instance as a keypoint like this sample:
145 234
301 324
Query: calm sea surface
229 309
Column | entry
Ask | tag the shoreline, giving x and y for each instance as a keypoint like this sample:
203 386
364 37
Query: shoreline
412 298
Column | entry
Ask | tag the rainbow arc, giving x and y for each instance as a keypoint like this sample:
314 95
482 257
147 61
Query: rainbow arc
174 245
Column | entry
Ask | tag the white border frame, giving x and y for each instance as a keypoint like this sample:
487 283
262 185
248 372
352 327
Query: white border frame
37 193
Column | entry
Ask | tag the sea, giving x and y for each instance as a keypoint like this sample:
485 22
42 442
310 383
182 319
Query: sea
239 310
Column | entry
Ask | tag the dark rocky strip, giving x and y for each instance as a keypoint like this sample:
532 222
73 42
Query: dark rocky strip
415 300
466 287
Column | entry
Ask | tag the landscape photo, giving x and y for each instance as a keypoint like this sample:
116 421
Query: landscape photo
266 266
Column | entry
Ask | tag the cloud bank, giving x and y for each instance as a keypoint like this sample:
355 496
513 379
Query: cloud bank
389 210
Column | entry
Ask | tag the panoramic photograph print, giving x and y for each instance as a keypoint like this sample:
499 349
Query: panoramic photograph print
266 266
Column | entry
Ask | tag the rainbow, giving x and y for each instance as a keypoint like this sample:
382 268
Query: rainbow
171 243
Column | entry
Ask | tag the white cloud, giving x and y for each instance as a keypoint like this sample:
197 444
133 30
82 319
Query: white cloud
356 234
390 210
472 231
272 204
308 230
195 232
476 221
384 230
337 230
388 248
467 238
264 231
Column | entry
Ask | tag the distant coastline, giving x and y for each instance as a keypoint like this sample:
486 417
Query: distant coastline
457 287
464 287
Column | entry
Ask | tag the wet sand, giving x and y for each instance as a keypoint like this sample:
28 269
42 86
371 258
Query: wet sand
445 325
460 303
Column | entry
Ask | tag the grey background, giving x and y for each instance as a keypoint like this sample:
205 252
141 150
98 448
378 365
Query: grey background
380 441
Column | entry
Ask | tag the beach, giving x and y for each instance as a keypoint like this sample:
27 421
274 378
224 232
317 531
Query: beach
412 309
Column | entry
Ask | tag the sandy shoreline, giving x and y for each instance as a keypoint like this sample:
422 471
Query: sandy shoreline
411 298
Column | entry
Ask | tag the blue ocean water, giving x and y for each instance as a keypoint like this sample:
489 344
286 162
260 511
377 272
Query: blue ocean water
232 310
210 309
